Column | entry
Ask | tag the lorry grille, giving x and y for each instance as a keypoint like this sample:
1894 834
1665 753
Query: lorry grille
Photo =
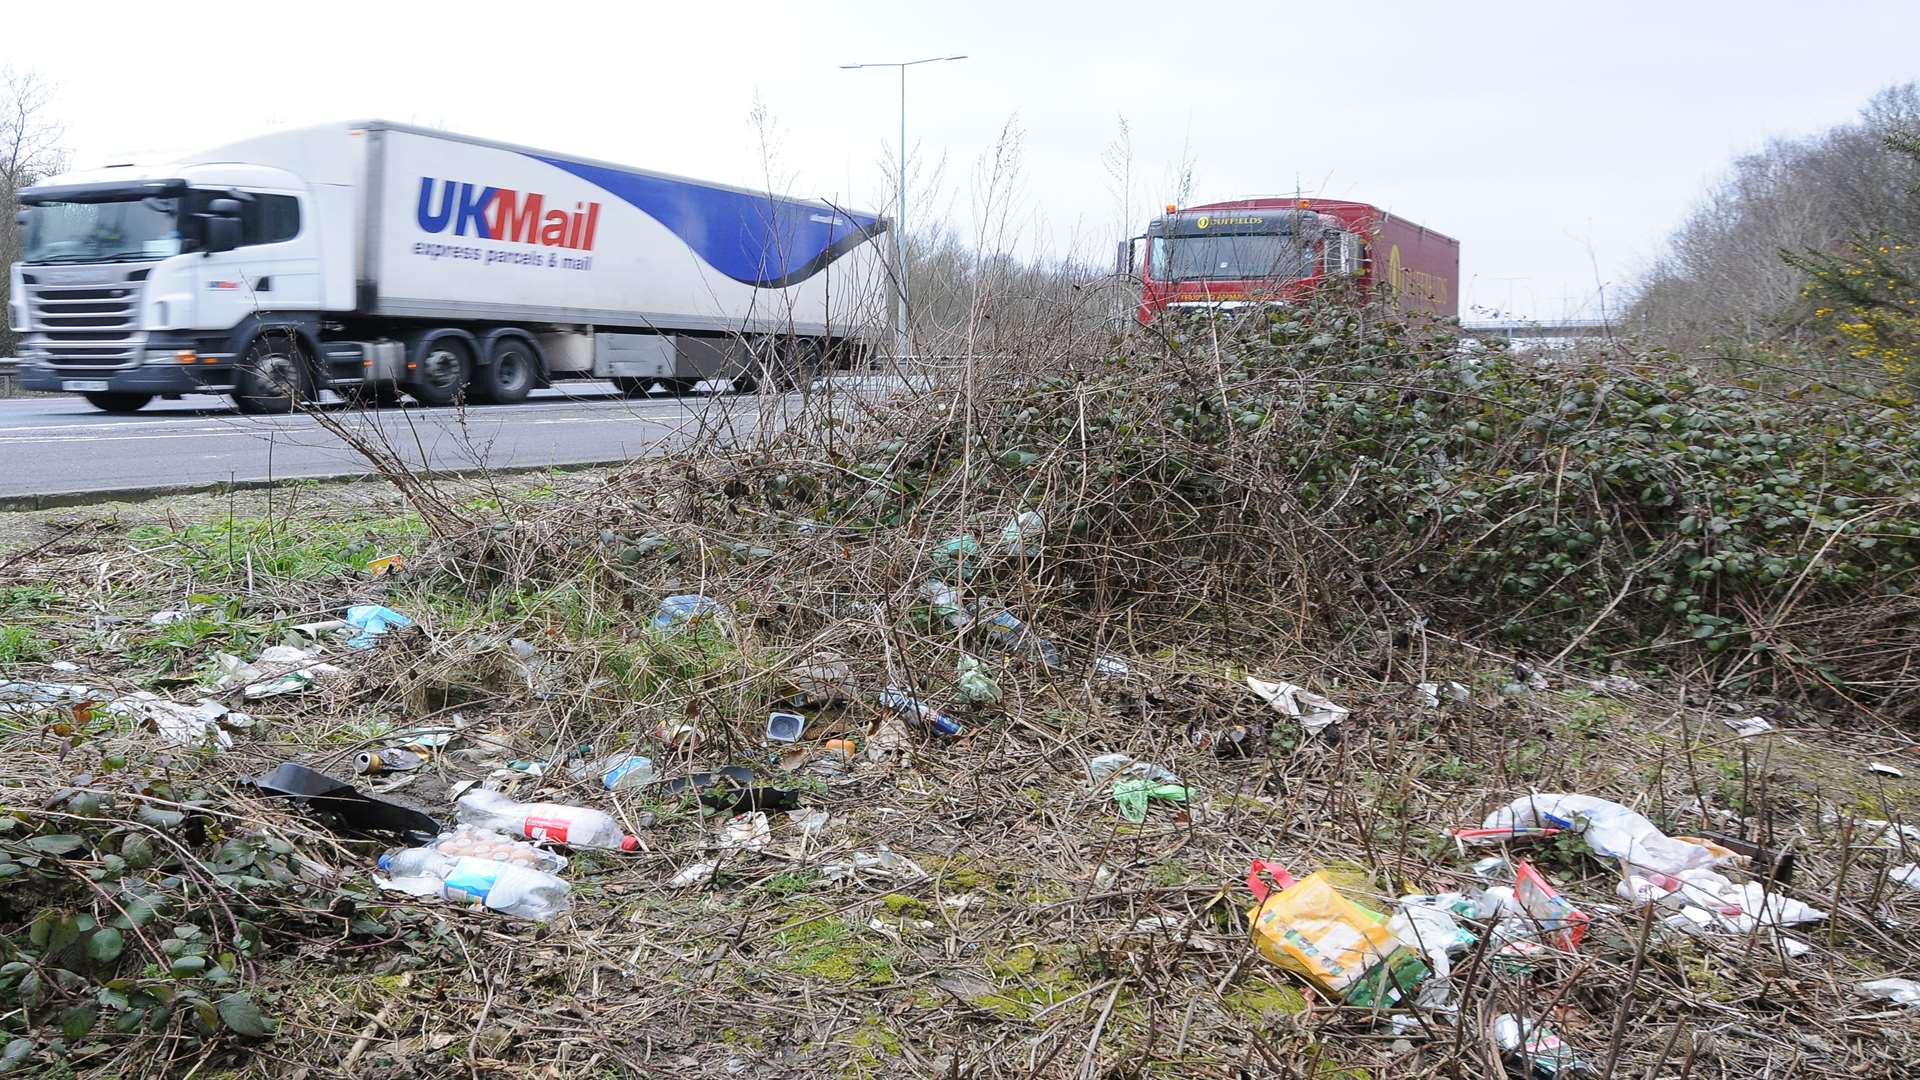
85 318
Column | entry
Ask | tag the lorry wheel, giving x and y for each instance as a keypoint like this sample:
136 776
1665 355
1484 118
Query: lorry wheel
442 377
270 379
509 377
632 387
118 403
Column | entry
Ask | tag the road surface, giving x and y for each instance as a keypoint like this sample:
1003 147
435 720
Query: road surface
60 445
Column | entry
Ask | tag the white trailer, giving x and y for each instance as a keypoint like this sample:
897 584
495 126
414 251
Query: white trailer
374 259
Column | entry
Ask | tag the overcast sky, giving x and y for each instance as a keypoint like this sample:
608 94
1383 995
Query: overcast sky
1558 141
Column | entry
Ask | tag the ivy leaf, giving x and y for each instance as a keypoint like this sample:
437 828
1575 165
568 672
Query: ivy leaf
79 1020
106 944
239 1012
57 844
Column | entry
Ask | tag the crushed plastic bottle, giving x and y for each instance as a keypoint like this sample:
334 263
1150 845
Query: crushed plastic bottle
505 887
555 823
910 709
618 772
1536 1047
683 608
960 554
1022 535
1005 630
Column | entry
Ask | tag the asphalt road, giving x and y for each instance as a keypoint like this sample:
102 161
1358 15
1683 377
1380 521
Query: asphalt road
61 445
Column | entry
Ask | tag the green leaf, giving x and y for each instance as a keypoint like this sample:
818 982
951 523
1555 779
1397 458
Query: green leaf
136 849
65 932
106 944
185 967
239 1012
57 844
79 1020
16 1054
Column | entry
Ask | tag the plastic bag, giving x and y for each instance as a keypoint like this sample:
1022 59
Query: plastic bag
372 620
1425 924
1133 793
1309 928
1314 712
1611 830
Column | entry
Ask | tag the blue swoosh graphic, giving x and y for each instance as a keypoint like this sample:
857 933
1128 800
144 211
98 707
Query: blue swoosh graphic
753 239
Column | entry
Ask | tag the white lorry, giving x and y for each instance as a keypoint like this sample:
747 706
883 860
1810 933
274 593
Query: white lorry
374 259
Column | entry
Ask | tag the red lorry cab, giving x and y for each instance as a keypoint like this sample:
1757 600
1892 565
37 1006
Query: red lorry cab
1276 250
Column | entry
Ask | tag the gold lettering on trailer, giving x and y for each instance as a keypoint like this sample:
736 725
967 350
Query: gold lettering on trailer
1414 283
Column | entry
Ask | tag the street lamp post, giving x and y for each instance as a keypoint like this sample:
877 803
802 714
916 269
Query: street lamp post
901 342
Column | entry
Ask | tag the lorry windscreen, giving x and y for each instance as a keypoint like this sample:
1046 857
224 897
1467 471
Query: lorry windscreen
147 228
1232 257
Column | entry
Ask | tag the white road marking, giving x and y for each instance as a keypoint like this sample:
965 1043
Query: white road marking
303 423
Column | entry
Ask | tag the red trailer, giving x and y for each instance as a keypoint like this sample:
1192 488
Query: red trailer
1276 250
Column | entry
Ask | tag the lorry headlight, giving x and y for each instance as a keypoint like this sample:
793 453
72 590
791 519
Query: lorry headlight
17 315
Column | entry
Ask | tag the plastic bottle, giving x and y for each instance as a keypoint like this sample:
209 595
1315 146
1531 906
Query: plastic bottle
911 710
618 772
1005 630
500 886
681 608
573 826
466 840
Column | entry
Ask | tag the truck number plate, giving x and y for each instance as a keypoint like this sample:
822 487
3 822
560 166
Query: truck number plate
84 386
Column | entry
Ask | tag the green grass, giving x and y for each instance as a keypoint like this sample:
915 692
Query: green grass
828 949
227 549
21 645
791 883
26 599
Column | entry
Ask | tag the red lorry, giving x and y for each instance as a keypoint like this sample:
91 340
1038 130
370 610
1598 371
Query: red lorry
1276 250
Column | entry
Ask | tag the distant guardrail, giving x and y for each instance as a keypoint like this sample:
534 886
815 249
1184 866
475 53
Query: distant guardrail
9 376
1512 329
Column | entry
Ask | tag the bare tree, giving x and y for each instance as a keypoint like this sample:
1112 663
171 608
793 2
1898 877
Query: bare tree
1722 278
29 150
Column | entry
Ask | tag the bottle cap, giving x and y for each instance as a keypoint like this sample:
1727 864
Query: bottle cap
386 860
629 843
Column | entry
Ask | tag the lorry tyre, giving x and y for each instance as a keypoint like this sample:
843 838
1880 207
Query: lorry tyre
118 403
632 387
442 376
271 378
509 375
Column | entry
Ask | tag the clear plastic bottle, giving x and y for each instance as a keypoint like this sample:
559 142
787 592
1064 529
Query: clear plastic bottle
496 847
500 886
617 772
573 826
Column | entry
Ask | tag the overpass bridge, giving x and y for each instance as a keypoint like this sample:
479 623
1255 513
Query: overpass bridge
1536 329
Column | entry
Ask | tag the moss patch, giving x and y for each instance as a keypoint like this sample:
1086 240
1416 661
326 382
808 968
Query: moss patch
1265 1001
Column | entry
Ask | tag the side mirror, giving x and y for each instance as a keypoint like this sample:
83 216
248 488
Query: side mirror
223 233
225 207
1123 258
20 219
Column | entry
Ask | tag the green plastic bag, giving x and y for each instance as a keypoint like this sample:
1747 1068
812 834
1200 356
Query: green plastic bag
1132 795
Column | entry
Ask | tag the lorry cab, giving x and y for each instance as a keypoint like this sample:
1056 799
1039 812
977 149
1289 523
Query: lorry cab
119 265
1274 250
